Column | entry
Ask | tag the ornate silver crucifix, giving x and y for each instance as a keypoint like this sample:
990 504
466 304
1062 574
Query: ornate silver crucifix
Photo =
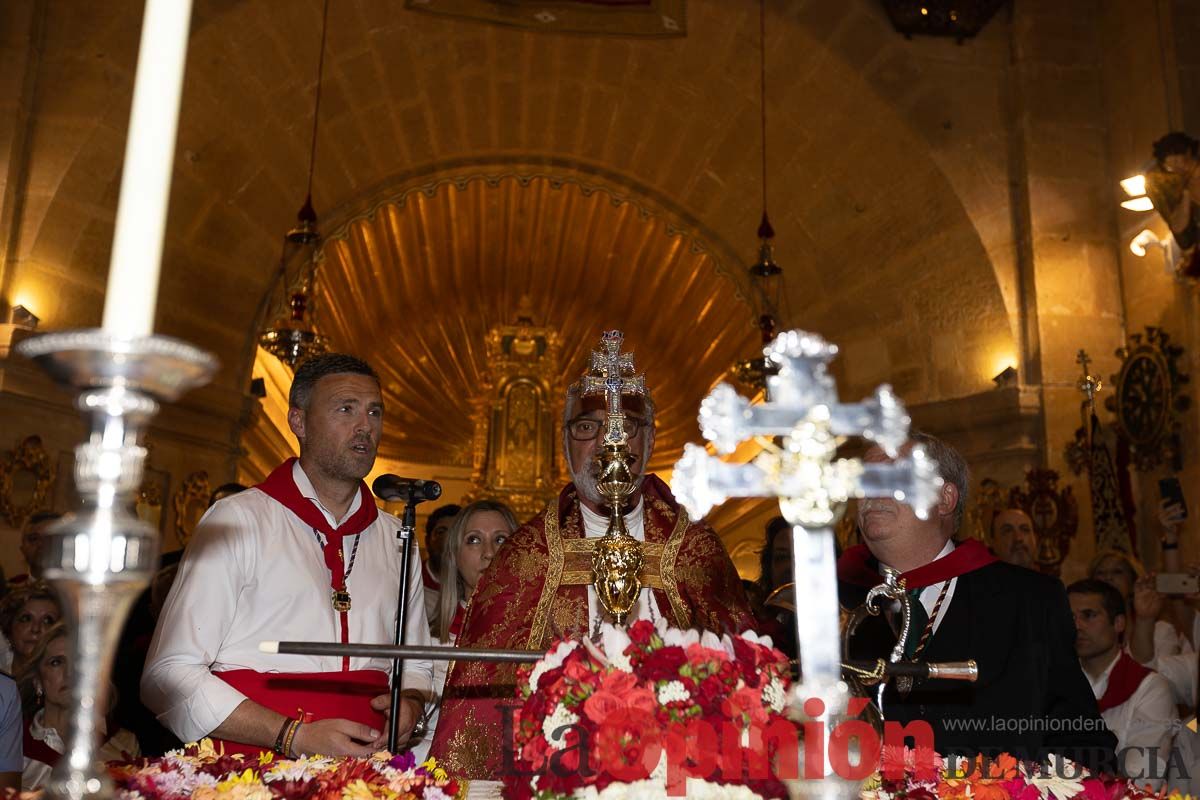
618 558
812 486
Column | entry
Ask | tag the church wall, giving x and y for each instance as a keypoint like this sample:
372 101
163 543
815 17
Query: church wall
899 171
1151 77
185 438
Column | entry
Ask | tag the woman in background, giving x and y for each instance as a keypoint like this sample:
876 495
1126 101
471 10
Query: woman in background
25 614
45 683
477 532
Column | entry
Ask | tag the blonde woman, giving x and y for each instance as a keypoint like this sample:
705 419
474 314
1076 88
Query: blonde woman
478 531
45 683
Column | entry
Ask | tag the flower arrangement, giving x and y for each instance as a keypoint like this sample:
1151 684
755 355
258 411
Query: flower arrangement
922 774
201 772
650 708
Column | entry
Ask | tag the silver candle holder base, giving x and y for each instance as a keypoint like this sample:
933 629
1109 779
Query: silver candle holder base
101 557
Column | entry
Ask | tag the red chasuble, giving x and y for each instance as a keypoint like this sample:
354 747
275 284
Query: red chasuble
1126 676
344 694
536 590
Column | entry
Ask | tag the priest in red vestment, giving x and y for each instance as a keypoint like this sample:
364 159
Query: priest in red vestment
1031 698
539 585
305 555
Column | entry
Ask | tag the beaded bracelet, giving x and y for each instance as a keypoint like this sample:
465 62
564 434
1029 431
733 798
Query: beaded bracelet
291 736
279 737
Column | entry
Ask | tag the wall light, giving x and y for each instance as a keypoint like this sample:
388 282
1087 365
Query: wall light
1138 204
1006 378
22 317
1134 185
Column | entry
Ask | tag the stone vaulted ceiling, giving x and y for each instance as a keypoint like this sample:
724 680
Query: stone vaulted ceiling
424 277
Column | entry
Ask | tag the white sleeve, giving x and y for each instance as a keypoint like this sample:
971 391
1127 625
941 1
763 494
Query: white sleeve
1180 672
1149 731
1166 639
418 673
177 684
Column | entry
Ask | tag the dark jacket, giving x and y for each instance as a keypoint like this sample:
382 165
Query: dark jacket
1031 698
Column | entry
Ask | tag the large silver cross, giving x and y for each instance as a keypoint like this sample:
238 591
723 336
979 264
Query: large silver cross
615 379
811 485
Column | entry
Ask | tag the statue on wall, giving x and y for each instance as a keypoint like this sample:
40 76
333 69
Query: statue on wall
516 430
1173 186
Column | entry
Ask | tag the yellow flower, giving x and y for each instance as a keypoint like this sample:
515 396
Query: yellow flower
246 777
871 783
265 757
207 749
361 790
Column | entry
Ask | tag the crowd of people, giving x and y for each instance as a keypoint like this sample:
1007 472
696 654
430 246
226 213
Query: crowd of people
1100 670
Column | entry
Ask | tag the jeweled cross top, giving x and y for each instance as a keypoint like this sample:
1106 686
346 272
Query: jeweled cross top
613 375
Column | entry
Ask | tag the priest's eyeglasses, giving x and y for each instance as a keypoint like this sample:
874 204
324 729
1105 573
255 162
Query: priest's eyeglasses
584 429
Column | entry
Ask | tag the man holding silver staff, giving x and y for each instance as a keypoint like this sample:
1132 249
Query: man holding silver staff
304 555
1031 698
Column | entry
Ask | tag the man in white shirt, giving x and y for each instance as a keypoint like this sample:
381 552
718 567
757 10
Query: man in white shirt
306 555
1134 700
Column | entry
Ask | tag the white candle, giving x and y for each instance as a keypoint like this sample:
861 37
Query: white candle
146 180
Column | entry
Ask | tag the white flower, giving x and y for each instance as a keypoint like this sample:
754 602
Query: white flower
613 641
561 718
621 661
774 696
553 660
710 640
1049 778
680 638
751 636
434 793
727 645
672 692
657 790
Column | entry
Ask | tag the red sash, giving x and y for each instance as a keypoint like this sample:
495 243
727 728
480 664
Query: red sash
281 487
856 566
1126 676
320 695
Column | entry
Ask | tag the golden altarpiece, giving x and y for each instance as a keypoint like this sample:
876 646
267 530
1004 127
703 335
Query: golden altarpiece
517 444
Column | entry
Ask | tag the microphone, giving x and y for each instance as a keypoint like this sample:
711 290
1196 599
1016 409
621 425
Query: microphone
410 490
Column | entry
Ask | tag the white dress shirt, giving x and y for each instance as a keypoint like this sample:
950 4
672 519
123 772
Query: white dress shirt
254 571
929 594
1147 719
594 526
35 774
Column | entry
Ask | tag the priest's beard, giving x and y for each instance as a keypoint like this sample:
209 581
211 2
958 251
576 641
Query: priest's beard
585 483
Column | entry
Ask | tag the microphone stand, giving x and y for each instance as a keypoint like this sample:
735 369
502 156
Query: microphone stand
408 524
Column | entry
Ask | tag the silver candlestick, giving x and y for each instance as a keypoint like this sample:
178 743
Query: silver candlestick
102 557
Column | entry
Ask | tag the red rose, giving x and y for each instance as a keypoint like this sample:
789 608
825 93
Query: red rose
663 664
711 690
748 701
642 632
578 671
